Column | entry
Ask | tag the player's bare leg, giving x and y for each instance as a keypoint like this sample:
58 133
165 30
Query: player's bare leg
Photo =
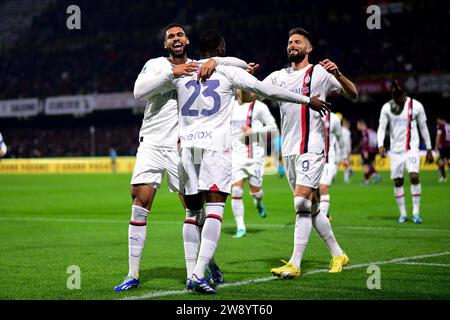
257 195
323 227
399 194
416 189
237 205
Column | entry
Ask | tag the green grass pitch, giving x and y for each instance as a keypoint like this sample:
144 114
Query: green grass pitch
50 222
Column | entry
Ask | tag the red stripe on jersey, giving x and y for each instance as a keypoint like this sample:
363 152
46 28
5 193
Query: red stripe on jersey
306 90
327 136
408 130
249 124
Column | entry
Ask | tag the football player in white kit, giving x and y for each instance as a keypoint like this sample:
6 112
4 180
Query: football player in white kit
3 148
157 153
334 150
404 115
205 140
347 137
251 121
303 146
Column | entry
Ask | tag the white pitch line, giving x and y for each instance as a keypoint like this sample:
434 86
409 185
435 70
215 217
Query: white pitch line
425 264
255 225
240 283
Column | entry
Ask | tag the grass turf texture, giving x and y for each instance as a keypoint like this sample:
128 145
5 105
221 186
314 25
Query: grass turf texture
49 222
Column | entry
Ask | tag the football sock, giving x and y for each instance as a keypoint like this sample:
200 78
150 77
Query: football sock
257 197
347 174
210 236
442 170
303 225
137 233
400 198
323 228
237 205
324 204
191 238
415 193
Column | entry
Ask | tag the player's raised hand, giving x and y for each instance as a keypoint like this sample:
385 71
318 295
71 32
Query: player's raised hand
382 151
252 67
186 69
320 106
330 66
206 70
429 157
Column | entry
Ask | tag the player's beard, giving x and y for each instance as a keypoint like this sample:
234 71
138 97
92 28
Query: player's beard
180 54
298 57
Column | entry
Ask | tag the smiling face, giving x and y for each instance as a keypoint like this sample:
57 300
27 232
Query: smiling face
298 48
176 42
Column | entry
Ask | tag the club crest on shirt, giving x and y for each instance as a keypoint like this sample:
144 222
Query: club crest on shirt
308 79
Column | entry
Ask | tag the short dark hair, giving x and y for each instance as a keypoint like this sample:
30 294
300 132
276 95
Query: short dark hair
172 25
209 40
301 32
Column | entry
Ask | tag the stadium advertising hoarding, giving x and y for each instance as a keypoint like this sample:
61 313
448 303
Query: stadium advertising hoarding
126 164
19 108
69 105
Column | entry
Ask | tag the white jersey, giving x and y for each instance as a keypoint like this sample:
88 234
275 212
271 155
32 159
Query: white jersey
159 126
3 148
301 128
256 115
205 108
404 135
334 143
347 138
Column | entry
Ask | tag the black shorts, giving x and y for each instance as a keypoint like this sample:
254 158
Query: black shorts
444 153
370 158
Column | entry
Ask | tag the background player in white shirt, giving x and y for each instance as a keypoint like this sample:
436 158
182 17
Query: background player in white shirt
157 153
3 148
205 141
334 150
251 121
404 114
303 145
347 137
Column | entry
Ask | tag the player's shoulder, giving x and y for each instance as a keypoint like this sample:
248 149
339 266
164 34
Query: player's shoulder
156 64
260 105
416 103
387 106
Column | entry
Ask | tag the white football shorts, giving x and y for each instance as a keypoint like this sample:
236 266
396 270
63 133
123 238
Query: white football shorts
245 168
304 169
328 173
410 159
151 165
204 170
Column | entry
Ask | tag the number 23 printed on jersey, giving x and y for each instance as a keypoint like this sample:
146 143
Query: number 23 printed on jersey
209 91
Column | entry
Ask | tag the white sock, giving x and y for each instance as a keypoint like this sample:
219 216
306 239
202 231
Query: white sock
415 193
210 236
257 197
323 228
191 238
347 174
303 226
237 204
400 198
324 203
137 233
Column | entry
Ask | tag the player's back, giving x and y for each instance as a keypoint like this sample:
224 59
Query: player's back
205 109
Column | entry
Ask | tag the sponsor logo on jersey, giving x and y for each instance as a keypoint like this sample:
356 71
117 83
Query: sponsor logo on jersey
199 135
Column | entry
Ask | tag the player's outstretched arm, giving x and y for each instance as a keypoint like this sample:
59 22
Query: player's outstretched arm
422 123
208 66
381 132
348 87
150 84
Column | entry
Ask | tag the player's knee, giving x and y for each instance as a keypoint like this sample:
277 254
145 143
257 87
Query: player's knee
139 214
398 182
237 192
414 177
323 189
302 205
139 197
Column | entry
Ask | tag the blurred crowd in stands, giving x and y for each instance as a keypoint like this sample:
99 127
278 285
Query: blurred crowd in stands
117 37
